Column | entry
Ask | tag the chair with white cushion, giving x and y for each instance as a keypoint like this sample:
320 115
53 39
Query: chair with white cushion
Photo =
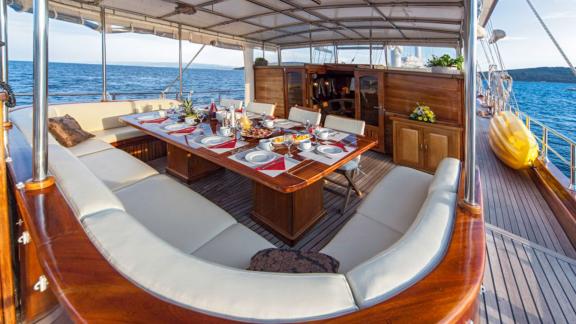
261 108
301 115
226 102
349 170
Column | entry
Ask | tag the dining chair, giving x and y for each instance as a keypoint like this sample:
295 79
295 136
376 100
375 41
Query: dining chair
351 169
301 115
226 102
261 108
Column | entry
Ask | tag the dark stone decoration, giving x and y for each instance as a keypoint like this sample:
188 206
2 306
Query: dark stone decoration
293 261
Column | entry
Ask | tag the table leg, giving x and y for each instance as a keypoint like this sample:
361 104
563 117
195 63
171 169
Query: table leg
186 166
288 215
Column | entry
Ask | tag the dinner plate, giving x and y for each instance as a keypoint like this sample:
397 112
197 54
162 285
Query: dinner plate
214 140
260 157
148 117
329 150
175 127
281 121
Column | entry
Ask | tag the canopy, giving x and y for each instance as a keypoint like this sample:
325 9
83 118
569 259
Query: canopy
277 23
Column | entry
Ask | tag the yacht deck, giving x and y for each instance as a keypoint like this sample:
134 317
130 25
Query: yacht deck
530 271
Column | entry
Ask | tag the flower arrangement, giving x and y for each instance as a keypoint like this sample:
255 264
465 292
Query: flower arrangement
423 113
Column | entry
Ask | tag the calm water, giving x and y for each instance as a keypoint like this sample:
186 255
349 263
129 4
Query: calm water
71 78
550 103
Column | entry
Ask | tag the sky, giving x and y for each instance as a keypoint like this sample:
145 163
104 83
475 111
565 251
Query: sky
526 44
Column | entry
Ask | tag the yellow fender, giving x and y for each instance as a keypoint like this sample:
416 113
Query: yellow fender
511 141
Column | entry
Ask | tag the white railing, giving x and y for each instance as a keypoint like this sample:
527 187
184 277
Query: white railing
544 142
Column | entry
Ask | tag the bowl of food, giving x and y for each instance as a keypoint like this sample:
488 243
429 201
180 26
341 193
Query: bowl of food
256 133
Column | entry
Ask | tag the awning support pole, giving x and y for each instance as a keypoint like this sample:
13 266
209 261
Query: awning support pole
4 54
103 47
248 75
470 93
335 53
279 56
180 72
40 178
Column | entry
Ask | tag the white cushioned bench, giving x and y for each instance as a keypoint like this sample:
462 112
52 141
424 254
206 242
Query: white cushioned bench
177 245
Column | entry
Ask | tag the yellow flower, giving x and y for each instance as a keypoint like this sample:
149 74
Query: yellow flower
419 118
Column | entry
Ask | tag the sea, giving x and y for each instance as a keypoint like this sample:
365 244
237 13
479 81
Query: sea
553 104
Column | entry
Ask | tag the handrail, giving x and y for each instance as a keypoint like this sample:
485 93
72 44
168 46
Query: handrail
570 162
114 95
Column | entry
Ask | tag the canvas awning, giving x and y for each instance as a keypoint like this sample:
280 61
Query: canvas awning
277 23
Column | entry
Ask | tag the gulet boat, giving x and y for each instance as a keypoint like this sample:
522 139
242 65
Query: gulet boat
317 197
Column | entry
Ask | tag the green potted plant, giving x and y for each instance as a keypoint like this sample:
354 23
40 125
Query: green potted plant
260 61
445 64
190 115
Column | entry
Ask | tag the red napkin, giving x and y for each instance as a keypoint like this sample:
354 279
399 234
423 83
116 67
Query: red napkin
154 121
340 145
186 130
277 164
229 144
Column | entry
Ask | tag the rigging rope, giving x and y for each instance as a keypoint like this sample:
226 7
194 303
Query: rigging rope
551 37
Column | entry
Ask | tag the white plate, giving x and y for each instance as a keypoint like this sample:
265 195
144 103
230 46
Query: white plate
303 150
175 127
281 121
214 140
147 117
260 157
329 150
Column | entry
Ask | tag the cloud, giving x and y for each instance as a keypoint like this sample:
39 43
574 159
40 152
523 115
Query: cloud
560 15
515 38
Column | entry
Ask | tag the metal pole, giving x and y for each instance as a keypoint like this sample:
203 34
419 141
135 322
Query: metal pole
335 53
40 100
470 87
572 167
103 36
4 53
279 56
544 153
180 73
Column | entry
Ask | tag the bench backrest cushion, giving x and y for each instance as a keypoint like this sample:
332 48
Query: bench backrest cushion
83 191
447 176
349 125
411 258
96 116
23 120
190 282
301 115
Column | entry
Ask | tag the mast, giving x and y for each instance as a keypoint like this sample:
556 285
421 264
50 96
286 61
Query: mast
4 53
103 48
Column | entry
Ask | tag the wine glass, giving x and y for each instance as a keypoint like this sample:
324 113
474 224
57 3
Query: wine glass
288 141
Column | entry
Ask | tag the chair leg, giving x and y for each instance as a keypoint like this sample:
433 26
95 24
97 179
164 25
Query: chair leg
348 176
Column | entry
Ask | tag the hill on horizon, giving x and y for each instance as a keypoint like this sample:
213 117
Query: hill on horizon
151 64
544 74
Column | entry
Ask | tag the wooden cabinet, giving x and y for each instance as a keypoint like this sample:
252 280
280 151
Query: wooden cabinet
369 103
423 146
269 88
295 79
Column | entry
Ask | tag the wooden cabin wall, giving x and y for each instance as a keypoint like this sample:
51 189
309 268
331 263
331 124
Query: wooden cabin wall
444 94
269 88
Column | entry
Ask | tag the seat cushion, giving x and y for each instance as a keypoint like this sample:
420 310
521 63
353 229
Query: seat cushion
114 135
233 247
351 165
261 108
67 131
116 168
293 261
344 124
173 212
85 193
359 240
411 258
302 115
190 282
90 146
395 201
447 176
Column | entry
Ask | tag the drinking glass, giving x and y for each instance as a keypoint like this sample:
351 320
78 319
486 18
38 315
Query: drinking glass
288 141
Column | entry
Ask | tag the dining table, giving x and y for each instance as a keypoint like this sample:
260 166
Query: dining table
287 192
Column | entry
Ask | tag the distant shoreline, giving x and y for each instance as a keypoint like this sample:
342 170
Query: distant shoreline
543 74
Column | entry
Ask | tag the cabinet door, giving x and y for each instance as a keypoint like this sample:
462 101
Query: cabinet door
295 88
369 101
408 145
438 144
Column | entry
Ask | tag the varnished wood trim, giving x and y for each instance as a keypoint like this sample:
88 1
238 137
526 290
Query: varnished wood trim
7 124
31 185
7 285
561 200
